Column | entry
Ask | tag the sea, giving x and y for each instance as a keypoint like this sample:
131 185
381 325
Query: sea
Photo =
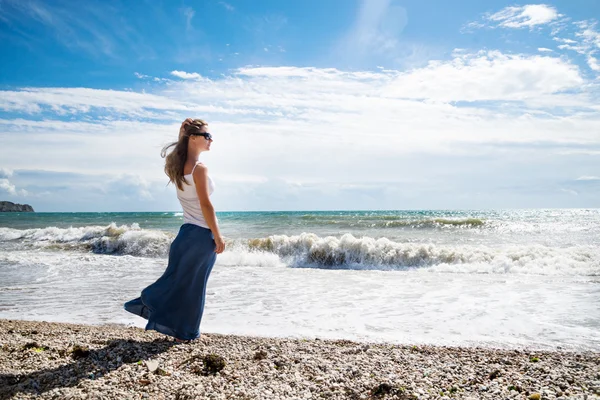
491 278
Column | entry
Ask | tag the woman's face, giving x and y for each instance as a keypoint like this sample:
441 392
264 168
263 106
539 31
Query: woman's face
202 143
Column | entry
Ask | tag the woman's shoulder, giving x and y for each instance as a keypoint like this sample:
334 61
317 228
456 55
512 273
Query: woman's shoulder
200 170
200 167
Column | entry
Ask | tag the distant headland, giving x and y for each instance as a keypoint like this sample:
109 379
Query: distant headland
7 206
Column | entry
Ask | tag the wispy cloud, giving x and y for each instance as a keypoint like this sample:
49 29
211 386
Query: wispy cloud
94 29
227 6
570 191
188 13
264 27
376 30
516 17
376 37
83 100
62 22
526 16
585 41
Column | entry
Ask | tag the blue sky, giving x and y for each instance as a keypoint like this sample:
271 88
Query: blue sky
375 104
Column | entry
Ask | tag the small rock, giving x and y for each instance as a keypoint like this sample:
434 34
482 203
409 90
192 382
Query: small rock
535 396
260 355
213 363
494 374
382 389
152 365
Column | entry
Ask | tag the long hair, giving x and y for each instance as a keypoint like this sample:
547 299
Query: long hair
175 160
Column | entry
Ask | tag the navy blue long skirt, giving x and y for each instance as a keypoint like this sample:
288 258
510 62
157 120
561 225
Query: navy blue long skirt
174 304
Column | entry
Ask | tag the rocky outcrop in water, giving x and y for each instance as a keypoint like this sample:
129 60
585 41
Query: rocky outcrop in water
7 206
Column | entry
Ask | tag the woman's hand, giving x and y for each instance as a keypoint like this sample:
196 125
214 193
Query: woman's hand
183 125
220 244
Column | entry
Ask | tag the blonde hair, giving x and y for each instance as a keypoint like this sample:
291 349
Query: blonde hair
175 160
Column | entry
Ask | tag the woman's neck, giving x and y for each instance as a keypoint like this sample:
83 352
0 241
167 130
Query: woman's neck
193 156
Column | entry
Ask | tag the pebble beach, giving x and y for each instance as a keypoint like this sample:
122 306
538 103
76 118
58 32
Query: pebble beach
69 361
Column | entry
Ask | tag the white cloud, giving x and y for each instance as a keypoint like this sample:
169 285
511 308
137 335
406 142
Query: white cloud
7 187
588 178
593 63
83 100
526 16
128 186
5 173
187 75
488 76
588 34
565 40
587 42
304 131
544 49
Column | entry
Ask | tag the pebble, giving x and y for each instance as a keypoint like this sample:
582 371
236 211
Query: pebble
130 363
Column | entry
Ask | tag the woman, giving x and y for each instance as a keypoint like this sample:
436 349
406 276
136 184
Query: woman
174 304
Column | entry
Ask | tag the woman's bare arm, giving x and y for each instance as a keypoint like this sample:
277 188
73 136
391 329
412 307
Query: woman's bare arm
208 211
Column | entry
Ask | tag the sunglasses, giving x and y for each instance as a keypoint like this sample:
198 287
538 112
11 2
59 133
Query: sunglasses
206 135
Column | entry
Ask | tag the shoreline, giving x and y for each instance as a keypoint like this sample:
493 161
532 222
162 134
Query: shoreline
62 360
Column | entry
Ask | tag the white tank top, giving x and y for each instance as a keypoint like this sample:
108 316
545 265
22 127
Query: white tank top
188 197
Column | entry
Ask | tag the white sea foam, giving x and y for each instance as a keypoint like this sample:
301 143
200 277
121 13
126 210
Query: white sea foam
241 257
401 307
349 252
111 239
309 250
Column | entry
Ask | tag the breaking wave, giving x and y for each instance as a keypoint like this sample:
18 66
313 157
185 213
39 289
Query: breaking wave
349 252
111 239
309 250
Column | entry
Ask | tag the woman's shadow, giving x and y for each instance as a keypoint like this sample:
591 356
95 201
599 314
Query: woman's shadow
90 364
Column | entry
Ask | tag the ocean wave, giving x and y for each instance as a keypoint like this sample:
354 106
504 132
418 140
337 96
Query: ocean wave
111 239
309 250
349 252
391 221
